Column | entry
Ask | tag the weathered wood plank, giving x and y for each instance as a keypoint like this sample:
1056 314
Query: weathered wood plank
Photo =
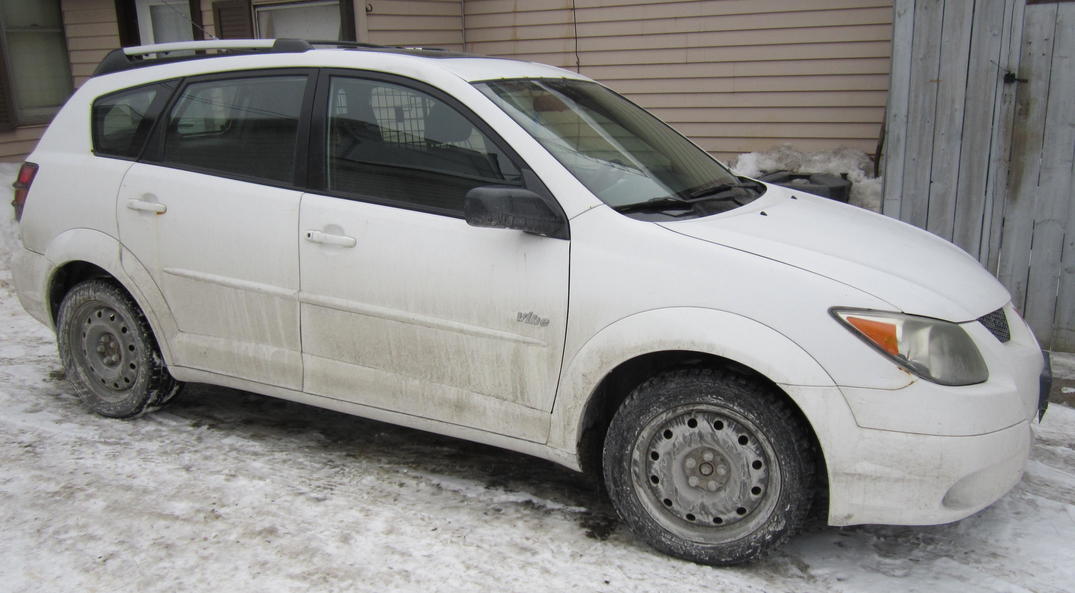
898 105
1064 327
1001 140
984 75
1030 111
1052 204
1064 334
922 111
948 138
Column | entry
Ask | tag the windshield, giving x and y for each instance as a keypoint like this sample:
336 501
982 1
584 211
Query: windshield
621 153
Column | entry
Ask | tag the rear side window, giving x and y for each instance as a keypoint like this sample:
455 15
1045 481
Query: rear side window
243 126
122 121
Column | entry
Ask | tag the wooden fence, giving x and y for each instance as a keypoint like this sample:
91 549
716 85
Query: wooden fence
980 135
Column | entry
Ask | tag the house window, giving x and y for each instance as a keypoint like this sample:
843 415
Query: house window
164 21
35 76
298 20
320 20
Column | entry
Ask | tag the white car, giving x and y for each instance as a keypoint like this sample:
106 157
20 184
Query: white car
511 253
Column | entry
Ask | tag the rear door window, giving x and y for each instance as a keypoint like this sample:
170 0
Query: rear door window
242 127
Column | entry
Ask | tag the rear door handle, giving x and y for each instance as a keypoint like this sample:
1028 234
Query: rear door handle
144 206
330 239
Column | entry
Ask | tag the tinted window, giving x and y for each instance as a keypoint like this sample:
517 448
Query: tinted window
402 145
243 126
121 121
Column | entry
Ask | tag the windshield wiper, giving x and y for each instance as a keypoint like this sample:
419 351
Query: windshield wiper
657 204
719 188
721 192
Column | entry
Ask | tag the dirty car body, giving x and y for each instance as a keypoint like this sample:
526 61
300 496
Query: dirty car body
510 253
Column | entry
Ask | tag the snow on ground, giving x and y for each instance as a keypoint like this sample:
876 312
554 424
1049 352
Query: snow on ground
865 188
228 491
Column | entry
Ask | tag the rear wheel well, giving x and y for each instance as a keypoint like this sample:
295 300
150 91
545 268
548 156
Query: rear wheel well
618 384
67 277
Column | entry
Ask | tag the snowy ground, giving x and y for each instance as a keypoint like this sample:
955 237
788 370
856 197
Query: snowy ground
227 491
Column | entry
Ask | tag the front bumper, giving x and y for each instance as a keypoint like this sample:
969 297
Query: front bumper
911 479
928 453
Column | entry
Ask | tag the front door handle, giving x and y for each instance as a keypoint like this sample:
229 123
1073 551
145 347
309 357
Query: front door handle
144 206
330 239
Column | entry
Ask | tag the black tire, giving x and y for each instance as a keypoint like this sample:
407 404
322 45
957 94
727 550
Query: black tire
109 353
709 466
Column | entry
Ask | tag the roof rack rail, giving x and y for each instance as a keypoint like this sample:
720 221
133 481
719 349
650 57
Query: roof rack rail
128 58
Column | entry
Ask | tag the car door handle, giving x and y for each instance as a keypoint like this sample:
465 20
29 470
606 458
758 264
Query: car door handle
330 239
144 206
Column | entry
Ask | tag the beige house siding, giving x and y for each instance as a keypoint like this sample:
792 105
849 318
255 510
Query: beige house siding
91 32
16 144
431 23
734 75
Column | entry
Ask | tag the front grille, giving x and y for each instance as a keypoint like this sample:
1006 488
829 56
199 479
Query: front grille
997 324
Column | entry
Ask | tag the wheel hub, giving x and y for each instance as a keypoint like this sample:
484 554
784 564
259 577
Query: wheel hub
107 350
702 469
706 468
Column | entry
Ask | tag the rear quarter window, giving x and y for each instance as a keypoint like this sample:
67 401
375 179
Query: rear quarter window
122 121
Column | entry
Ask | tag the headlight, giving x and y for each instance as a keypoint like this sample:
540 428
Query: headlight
935 350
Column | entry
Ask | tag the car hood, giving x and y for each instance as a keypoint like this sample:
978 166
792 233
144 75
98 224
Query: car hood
915 271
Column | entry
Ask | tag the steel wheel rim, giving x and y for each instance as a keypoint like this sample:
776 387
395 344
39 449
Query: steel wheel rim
705 473
105 349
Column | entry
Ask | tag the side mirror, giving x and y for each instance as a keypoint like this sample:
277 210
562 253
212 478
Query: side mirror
508 207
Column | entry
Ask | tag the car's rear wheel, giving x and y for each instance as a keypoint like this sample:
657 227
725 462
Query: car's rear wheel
709 466
109 353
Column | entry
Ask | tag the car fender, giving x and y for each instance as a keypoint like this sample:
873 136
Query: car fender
708 331
105 252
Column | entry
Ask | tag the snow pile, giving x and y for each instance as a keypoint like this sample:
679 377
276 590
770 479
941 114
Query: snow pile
865 189
8 171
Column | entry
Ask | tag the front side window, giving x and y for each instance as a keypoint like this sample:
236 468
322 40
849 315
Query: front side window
244 126
121 121
617 150
401 145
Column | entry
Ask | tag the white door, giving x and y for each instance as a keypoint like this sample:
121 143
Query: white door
406 307
213 219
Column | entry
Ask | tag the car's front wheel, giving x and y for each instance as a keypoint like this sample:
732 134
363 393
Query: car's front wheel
108 352
709 466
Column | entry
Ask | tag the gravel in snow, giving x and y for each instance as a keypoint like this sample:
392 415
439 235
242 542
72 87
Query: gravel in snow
229 491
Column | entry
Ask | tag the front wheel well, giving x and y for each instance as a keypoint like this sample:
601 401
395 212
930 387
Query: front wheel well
622 380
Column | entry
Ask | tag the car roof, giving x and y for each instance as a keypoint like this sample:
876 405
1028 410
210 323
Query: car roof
178 59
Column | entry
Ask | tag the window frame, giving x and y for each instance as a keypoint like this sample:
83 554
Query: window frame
318 155
153 152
